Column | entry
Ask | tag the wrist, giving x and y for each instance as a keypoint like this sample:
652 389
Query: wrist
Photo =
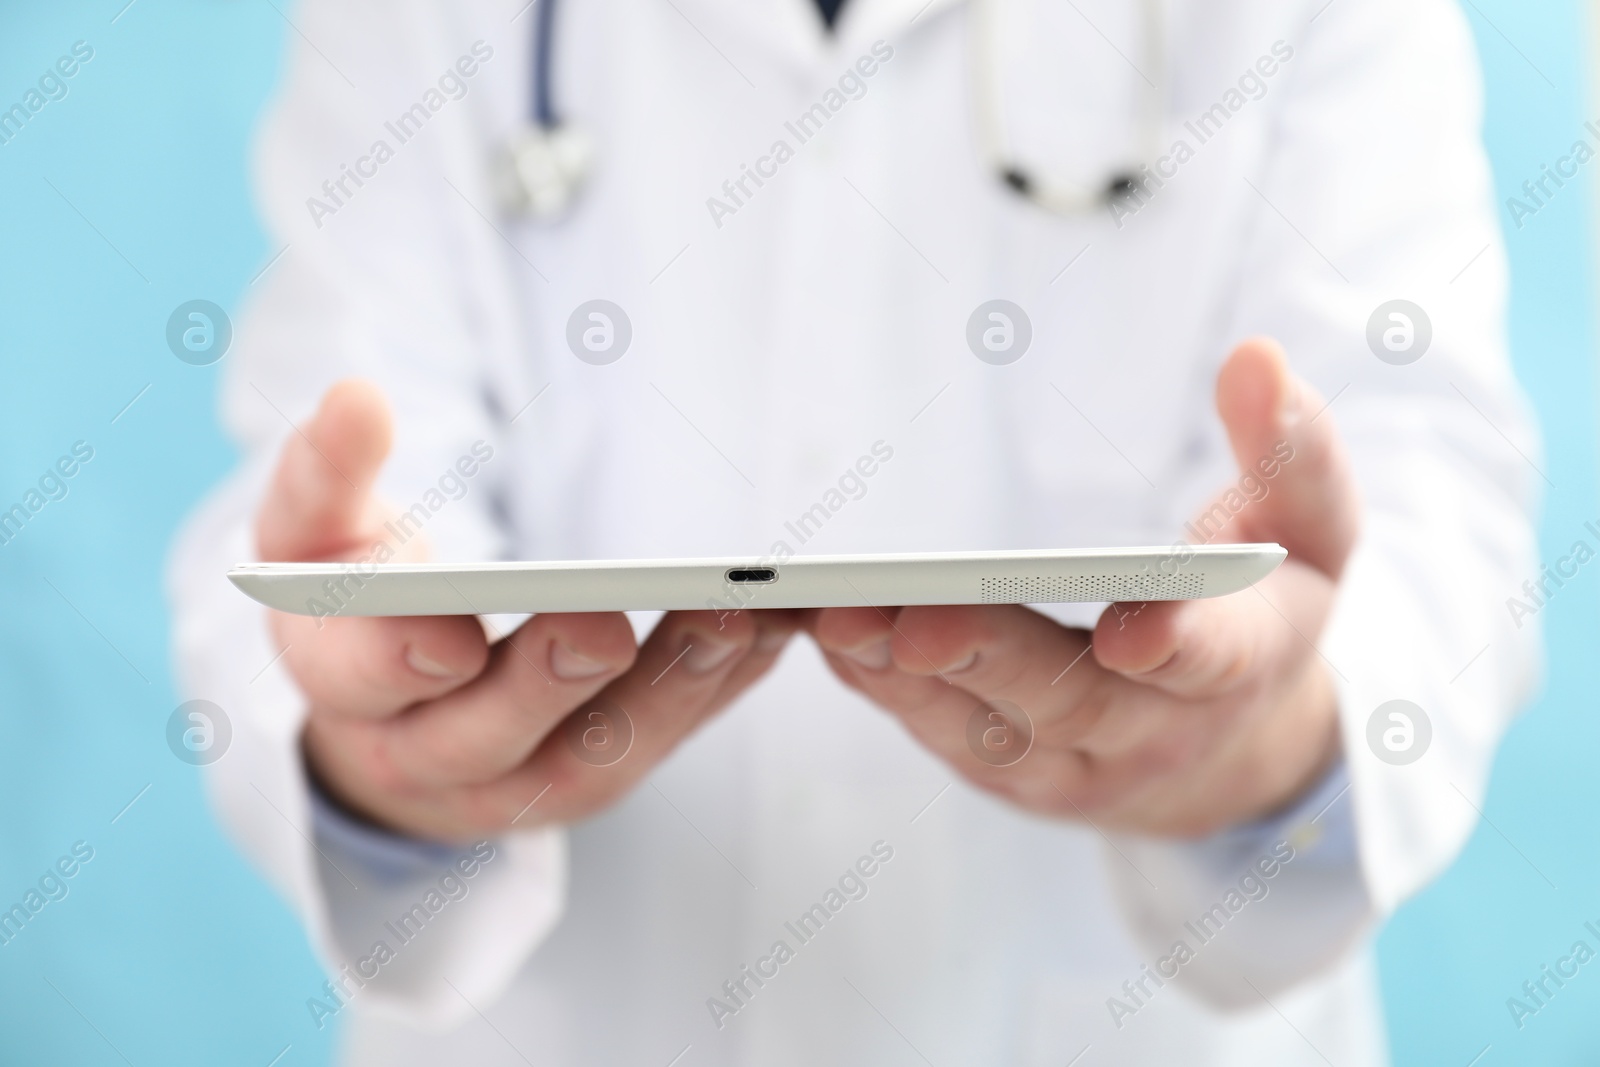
1309 737
326 772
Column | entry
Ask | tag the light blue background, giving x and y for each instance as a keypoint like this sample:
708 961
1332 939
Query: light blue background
1454 955
168 949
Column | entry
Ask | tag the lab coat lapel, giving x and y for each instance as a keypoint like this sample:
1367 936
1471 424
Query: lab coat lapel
865 21
791 32
788 32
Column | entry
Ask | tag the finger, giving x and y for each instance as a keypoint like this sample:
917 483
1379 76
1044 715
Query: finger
370 668
319 504
609 744
535 678
1285 440
1008 653
875 639
683 668
858 644
774 629
980 736
937 668
860 648
1207 648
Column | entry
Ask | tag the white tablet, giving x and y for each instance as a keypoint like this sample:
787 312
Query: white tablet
1043 577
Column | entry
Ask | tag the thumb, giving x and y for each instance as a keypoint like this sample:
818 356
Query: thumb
1295 473
319 505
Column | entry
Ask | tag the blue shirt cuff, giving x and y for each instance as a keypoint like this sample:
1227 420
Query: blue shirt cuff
387 857
1320 825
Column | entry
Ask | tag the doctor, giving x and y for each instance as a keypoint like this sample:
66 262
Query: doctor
939 275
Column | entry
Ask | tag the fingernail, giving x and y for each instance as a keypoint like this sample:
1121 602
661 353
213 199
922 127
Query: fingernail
1152 670
573 667
874 657
423 665
1290 406
971 658
705 655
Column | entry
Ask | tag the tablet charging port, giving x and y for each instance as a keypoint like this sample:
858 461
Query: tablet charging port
751 575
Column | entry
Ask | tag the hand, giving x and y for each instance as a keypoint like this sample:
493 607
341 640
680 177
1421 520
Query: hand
1184 717
423 726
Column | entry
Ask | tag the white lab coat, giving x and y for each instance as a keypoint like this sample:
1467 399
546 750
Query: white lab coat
825 314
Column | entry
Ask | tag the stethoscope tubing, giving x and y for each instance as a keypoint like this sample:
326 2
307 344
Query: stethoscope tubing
1062 198
989 116
544 111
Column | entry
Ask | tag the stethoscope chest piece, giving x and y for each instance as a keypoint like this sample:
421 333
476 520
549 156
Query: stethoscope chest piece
542 169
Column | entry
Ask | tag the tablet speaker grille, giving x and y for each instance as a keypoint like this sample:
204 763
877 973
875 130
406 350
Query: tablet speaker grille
1093 588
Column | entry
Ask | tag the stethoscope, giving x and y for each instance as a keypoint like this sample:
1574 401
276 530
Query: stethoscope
543 167
1052 194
